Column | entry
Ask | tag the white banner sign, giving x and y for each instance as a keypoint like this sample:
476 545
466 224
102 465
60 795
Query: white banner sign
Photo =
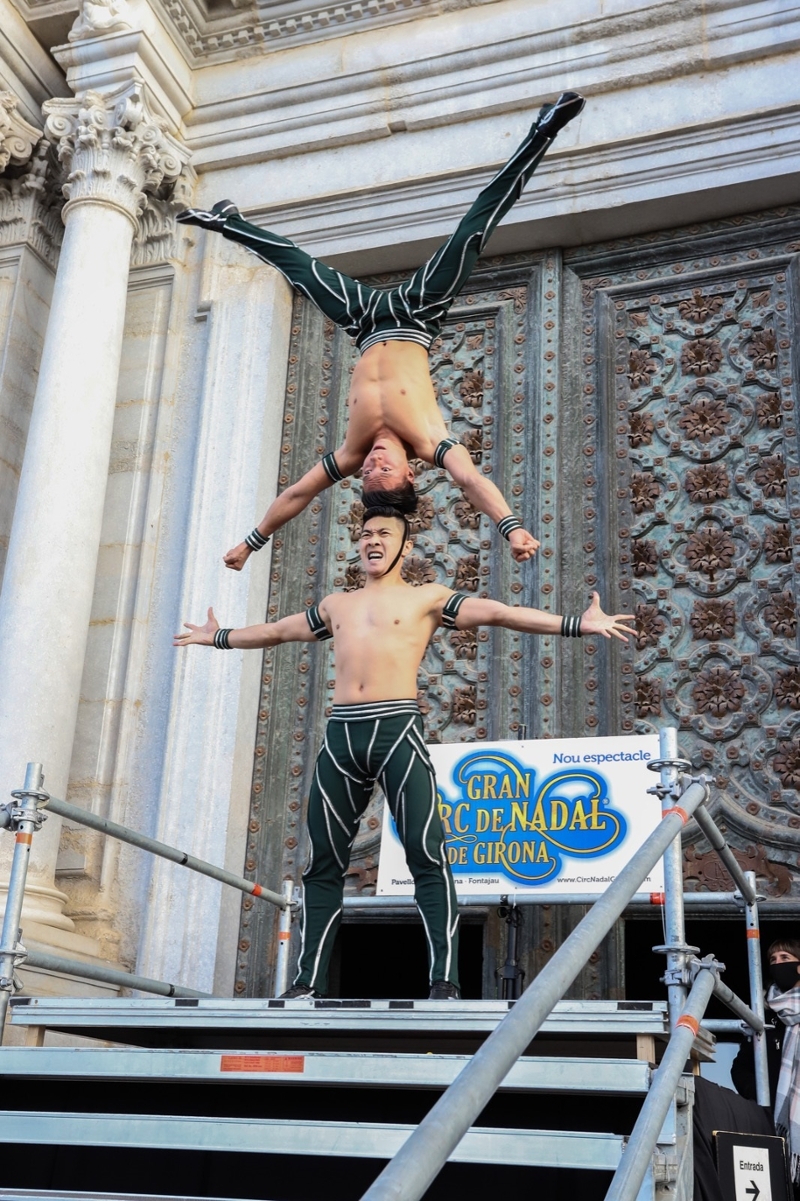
552 816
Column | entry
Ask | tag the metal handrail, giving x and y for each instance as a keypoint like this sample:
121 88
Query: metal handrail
24 818
420 1159
425 1152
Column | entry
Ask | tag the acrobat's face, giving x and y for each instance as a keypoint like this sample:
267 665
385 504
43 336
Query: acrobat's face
380 543
386 466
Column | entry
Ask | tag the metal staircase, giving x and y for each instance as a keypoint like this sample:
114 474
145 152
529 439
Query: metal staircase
319 1118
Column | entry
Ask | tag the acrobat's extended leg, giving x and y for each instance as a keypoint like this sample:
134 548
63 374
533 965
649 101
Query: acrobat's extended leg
433 288
347 302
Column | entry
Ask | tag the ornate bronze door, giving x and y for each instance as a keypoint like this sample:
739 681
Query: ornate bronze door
636 403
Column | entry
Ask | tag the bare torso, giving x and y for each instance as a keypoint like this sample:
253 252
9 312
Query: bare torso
380 635
391 389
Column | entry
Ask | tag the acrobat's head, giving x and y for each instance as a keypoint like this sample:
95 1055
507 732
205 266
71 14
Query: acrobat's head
385 540
388 477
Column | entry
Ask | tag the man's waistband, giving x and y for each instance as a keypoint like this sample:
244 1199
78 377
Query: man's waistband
371 710
393 334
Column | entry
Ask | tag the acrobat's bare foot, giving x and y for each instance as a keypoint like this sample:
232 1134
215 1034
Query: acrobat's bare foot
215 219
553 117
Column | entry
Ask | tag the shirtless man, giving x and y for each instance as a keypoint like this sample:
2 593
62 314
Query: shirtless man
375 733
393 414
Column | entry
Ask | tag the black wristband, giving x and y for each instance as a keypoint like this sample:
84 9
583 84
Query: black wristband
506 524
221 640
570 627
255 540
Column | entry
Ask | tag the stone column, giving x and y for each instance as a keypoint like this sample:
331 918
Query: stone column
113 152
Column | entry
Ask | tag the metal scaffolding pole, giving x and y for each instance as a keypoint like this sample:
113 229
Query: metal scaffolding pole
639 1152
426 1151
675 947
709 827
108 975
25 819
114 830
756 992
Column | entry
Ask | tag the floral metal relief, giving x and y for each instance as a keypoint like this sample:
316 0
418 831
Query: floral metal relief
707 443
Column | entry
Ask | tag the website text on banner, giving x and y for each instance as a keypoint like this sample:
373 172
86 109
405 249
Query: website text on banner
551 816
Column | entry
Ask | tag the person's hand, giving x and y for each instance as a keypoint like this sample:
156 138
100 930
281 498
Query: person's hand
523 545
595 621
198 635
236 558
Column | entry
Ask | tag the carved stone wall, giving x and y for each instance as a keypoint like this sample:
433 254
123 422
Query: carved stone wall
635 401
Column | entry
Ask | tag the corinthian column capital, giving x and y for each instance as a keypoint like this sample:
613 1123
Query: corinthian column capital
114 151
17 137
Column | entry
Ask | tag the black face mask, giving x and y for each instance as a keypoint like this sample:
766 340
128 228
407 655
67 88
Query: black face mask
785 975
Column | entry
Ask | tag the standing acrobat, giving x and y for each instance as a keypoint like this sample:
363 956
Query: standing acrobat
393 412
375 733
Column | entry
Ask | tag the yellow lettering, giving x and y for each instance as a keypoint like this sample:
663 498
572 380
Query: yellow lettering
452 854
482 822
596 819
457 822
497 821
505 788
524 784
474 788
559 815
512 852
578 820
519 816
538 822
489 786
479 854
462 856
528 852
542 856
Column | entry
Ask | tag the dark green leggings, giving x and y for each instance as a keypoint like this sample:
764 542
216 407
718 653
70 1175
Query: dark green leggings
413 311
365 744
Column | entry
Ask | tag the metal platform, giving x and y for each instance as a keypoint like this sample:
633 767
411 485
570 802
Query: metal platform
341 1069
302 1025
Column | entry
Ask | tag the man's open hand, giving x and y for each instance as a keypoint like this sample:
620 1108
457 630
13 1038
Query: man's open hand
523 545
595 621
198 635
236 558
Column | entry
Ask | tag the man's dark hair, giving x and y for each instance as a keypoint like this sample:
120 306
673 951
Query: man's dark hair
388 511
790 945
403 499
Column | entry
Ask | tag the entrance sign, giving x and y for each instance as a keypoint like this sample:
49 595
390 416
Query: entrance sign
550 816
751 1167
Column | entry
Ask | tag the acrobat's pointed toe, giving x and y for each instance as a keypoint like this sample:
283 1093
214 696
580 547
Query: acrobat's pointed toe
553 117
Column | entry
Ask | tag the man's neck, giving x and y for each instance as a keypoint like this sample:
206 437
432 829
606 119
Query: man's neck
391 580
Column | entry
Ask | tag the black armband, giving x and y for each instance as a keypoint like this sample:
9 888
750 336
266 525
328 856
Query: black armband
451 608
255 540
570 627
316 624
221 640
506 524
331 468
442 449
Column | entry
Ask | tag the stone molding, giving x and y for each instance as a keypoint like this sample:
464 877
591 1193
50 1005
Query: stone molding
30 208
113 150
17 136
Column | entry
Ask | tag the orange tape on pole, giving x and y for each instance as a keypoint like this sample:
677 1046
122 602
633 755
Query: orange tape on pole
753 933
23 837
682 814
689 1022
658 898
257 890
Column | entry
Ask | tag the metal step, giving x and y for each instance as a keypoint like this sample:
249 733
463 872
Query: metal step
330 1025
342 1069
37 1194
362 1140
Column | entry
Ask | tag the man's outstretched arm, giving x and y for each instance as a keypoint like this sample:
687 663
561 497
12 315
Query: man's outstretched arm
475 612
290 502
487 498
288 629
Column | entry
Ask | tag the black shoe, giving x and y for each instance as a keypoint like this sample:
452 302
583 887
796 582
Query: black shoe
443 990
299 990
214 220
553 117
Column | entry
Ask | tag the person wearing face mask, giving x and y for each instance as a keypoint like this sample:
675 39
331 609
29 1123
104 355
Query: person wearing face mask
783 1049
